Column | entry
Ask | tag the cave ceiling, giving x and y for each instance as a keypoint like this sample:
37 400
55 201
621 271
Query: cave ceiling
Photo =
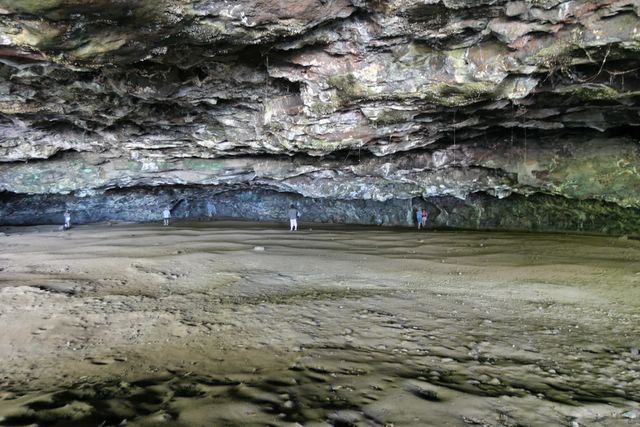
342 99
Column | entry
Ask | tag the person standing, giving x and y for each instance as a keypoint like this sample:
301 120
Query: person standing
166 215
67 219
419 217
294 214
425 215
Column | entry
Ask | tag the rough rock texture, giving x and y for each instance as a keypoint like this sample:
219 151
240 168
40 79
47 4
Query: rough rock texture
478 211
345 104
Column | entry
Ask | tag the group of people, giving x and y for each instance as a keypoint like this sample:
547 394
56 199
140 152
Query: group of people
166 216
294 214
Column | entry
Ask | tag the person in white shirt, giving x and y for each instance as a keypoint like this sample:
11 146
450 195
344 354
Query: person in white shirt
166 214
67 219
294 214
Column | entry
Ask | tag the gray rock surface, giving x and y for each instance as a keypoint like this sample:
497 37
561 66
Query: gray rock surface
348 101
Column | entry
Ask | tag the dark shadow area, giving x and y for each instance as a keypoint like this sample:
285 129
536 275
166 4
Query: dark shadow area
480 211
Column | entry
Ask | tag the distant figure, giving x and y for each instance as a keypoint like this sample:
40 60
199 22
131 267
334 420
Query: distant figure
67 219
166 215
419 218
425 215
294 214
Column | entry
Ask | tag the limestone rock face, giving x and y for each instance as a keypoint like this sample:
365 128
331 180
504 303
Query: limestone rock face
336 101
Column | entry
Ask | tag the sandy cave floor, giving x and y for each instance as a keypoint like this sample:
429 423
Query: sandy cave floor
223 323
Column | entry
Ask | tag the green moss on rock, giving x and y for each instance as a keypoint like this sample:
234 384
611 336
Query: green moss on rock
606 176
389 117
203 164
348 87
349 90
31 6
466 90
591 92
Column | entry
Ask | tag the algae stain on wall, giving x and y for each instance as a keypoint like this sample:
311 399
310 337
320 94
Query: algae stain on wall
203 164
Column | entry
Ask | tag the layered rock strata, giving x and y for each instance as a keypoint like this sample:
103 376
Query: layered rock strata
371 106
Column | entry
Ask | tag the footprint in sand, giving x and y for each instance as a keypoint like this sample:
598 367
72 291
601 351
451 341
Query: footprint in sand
40 330
106 360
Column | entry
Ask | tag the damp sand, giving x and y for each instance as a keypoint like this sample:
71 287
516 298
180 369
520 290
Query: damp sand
216 324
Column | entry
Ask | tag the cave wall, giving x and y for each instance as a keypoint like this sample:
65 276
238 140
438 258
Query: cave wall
479 211
474 107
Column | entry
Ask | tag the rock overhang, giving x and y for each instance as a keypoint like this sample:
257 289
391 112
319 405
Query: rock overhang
328 99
